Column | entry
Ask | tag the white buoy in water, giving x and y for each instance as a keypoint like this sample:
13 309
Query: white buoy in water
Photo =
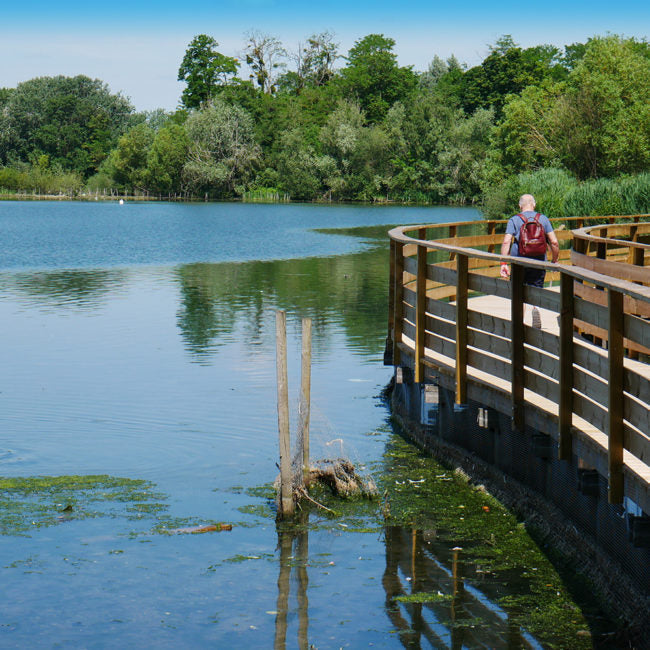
121 201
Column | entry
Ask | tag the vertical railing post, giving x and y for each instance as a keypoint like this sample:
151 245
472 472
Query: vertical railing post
566 367
601 246
615 378
420 312
452 235
517 344
398 308
461 329
492 228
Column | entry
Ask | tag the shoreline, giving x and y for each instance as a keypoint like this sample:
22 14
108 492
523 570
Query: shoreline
90 198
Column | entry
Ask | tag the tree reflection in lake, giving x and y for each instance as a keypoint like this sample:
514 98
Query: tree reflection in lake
347 290
77 288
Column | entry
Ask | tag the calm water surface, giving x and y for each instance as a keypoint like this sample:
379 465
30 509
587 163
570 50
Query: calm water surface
138 342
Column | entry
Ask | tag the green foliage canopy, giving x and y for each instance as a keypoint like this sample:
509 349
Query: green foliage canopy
74 121
204 71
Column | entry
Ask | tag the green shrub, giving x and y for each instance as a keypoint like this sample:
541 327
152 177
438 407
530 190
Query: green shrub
549 186
604 197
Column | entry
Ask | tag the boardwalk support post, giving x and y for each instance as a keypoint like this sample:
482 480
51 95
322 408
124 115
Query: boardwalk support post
461 329
517 345
615 378
388 351
398 309
421 311
565 408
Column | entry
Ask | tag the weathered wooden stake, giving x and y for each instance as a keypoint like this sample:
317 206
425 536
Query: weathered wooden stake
286 492
305 396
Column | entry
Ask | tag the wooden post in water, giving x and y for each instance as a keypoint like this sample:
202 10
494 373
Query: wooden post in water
305 397
286 493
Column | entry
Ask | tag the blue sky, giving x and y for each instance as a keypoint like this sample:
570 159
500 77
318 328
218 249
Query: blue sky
136 47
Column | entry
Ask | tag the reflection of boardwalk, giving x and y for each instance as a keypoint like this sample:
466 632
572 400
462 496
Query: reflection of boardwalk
456 615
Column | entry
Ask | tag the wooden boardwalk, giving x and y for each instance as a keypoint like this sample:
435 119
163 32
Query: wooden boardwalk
582 377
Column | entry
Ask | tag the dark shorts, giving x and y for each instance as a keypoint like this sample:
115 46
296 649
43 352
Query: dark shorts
535 277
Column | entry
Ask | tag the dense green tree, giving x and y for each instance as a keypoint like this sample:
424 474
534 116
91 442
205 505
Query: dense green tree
507 70
166 158
373 78
73 120
127 164
222 149
300 169
204 70
597 123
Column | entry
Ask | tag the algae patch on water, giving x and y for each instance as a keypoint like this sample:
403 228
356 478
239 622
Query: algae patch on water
28 503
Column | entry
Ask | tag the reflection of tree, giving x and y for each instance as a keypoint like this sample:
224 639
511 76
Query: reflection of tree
348 290
79 288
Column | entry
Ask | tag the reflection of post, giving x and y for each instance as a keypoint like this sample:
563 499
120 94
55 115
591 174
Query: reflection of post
285 542
458 590
417 620
305 396
303 583
286 496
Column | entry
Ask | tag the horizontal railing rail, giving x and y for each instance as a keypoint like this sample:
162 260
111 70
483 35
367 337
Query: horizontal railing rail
584 379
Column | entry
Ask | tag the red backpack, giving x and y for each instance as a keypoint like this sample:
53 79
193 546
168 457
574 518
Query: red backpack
532 237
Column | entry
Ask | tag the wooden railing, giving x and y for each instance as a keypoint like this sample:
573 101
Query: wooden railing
455 322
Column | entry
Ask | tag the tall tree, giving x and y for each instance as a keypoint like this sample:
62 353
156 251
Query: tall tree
264 56
373 77
508 69
204 70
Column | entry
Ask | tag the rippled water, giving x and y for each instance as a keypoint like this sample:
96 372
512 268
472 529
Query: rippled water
138 341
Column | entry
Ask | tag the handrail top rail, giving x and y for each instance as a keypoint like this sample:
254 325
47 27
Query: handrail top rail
585 233
628 288
446 224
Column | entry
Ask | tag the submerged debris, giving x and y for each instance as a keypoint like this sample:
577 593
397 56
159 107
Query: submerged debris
339 475
342 478
194 530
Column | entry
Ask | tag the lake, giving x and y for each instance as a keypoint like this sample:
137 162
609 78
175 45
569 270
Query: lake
138 399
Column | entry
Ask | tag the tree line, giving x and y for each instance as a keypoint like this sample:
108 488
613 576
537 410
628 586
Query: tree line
571 125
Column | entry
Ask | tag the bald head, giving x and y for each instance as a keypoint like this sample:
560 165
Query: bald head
526 202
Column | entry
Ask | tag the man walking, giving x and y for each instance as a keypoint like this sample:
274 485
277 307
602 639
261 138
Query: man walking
511 245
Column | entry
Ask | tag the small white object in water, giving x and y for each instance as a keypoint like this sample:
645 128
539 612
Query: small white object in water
121 201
